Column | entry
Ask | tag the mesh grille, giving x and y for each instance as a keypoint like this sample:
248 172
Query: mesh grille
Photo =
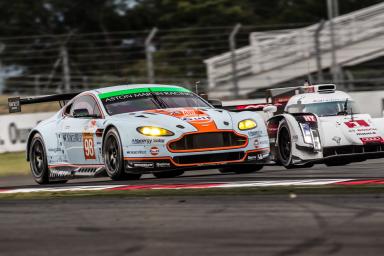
208 140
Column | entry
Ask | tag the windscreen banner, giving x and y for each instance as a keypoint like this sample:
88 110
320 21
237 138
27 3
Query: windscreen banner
14 130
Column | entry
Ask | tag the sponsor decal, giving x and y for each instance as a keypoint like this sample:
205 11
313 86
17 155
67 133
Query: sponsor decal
136 152
336 139
89 146
154 151
372 140
147 141
196 118
143 165
356 123
255 133
163 165
309 118
72 137
256 143
251 158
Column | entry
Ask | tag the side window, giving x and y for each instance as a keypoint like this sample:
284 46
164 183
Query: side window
85 102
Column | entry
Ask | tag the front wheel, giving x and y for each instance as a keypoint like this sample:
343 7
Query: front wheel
113 157
242 169
284 146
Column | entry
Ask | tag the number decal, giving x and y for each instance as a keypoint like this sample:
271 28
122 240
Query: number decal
89 146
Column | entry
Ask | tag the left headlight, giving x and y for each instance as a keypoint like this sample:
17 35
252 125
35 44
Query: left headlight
154 131
247 124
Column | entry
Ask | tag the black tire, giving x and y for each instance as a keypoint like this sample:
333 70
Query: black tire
38 162
168 174
284 146
113 157
242 169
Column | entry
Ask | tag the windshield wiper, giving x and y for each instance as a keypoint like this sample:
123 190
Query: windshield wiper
159 101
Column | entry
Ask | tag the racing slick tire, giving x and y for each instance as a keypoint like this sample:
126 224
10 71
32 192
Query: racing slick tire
242 169
38 162
168 174
284 146
113 157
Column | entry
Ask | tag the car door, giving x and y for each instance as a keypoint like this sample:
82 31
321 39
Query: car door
80 133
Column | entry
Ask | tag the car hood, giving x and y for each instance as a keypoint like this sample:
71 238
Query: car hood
186 119
345 130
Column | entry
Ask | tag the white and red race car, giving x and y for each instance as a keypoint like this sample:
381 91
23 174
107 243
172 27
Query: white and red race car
318 124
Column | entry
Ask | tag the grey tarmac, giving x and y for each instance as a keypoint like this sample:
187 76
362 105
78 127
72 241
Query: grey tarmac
285 224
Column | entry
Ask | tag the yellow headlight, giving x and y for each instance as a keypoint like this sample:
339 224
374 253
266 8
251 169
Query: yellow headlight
247 124
154 131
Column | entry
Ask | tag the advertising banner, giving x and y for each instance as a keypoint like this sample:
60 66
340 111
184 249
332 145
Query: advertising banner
14 130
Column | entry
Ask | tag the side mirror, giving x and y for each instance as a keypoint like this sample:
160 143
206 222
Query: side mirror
216 103
81 112
270 109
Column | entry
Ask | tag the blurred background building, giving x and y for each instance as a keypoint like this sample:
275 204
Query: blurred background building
231 49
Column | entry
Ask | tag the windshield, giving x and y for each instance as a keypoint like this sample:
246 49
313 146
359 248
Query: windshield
152 100
332 108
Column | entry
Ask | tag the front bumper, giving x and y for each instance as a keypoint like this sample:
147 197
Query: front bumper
196 161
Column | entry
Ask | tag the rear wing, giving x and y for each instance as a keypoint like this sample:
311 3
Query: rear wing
279 97
15 103
247 107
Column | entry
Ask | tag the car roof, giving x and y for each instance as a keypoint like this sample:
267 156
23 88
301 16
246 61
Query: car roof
130 86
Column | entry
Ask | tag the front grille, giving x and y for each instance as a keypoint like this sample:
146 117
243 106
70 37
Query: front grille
208 140
344 150
209 158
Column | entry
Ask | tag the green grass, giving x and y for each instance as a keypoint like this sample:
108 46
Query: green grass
12 164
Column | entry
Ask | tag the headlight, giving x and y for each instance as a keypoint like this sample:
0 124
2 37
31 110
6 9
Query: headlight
154 131
247 124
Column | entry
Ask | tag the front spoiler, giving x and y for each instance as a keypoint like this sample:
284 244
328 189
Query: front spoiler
159 164
355 157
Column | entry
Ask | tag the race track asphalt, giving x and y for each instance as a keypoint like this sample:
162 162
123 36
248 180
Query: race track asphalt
371 169
331 224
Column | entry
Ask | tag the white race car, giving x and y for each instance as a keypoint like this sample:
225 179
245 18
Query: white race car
318 124
125 131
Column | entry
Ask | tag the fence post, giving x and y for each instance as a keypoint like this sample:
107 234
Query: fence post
2 76
149 49
332 7
318 30
66 70
232 46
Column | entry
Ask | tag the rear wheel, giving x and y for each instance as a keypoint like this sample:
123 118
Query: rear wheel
38 160
113 157
242 169
168 174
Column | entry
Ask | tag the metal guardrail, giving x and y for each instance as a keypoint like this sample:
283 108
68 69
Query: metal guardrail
268 51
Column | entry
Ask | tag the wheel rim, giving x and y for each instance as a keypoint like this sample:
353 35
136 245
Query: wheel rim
112 154
38 159
285 144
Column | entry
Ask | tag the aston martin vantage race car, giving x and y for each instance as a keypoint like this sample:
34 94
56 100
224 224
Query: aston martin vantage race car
125 131
318 124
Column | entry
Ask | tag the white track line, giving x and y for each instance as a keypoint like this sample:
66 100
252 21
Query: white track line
265 183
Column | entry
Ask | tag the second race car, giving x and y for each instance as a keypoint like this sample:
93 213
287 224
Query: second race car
125 131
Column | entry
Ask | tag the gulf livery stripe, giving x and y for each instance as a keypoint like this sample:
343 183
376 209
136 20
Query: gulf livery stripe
141 90
224 185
